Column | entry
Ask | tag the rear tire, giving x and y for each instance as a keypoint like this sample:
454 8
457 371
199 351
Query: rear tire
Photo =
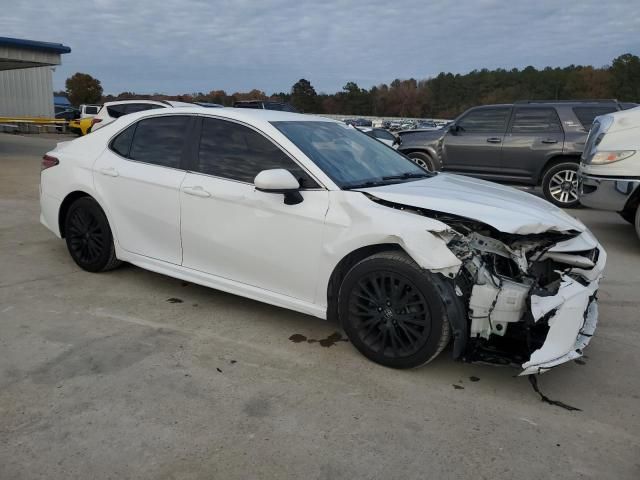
560 185
88 236
393 311
424 160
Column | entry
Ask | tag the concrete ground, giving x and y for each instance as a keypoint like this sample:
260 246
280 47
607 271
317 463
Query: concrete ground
103 376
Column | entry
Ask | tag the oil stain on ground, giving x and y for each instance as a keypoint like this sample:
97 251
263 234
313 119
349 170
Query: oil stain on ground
330 341
174 300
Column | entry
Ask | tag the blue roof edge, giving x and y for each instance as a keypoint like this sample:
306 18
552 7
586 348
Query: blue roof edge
34 45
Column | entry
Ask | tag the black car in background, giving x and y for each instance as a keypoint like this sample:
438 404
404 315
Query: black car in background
528 142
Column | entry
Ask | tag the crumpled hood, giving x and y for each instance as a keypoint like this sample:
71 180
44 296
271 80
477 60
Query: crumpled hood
504 208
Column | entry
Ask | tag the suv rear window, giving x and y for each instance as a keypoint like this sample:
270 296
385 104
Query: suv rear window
587 114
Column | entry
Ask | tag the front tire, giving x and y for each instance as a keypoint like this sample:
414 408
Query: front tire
560 185
424 160
88 236
393 311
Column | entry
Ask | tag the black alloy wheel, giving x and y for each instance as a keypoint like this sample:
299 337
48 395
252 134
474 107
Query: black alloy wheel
88 236
392 311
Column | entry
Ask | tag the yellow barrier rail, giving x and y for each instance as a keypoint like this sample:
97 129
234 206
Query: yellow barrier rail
34 120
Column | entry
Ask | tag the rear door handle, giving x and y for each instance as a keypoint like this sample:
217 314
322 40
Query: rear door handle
494 140
196 191
109 172
549 140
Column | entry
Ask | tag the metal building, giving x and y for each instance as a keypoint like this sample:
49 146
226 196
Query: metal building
26 85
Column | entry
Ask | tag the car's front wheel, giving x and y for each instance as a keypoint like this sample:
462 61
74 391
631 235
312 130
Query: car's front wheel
424 160
88 236
560 185
393 311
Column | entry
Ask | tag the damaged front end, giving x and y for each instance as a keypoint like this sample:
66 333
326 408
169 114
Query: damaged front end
530 299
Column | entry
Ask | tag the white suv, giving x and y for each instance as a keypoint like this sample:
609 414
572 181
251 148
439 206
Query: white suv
112 110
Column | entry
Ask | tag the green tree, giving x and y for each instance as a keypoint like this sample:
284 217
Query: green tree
83 88
304 96
625 77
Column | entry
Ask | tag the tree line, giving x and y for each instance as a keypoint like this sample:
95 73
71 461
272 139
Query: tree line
443 96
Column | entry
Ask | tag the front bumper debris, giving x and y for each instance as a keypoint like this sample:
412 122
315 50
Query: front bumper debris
570 327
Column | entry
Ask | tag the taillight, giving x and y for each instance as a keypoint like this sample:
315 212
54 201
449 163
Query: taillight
48 161
95 120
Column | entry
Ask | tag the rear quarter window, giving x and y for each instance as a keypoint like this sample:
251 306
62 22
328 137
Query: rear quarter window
586 114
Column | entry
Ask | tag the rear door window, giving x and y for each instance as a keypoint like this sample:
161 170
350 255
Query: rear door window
233 151
587 114
490 120
160 140
535 120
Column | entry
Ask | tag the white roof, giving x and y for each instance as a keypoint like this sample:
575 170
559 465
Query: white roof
249 115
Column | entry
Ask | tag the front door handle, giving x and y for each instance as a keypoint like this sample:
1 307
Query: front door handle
549 140
494 140
196 191
109 172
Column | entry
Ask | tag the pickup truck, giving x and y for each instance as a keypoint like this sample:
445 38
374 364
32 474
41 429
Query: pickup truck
609 174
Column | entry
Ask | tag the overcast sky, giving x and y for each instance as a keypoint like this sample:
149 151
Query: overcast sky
181 46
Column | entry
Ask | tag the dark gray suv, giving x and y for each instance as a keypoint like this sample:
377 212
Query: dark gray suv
530 142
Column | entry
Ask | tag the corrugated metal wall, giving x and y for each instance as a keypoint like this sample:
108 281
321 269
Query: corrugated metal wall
26 92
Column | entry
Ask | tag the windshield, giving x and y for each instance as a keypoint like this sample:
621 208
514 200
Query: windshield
349 157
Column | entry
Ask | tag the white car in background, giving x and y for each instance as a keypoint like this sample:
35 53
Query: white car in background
609 174
382 135
88 111
112 110
309 214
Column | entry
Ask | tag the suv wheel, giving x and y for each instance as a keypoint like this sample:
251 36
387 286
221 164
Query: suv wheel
88 236
560 185
424 160
393 311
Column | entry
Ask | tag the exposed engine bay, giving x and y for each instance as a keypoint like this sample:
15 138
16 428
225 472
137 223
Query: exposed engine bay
529 300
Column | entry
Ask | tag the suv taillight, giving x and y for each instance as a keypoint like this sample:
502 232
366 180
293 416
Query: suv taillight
48 161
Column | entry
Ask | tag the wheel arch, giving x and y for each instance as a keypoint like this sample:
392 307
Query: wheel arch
431 152
69 200
456 311
344 265
553 161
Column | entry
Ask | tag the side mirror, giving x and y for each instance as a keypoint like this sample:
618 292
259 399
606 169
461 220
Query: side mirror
453 128
398 140
279 180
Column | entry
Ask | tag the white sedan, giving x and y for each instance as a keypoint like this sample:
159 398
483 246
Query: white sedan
309 214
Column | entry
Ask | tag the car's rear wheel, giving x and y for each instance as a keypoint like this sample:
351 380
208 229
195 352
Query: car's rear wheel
88 236
393 311
560 185
424 160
